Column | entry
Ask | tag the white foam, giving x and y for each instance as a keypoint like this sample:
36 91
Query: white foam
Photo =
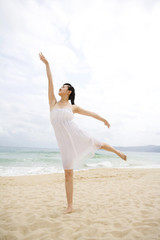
25 171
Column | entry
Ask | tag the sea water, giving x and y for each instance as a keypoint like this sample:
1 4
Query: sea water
18 161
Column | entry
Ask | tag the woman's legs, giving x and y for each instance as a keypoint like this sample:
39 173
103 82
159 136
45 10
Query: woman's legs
69 177
112 149
69 189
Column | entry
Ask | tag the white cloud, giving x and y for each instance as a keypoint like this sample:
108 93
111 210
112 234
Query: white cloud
108 50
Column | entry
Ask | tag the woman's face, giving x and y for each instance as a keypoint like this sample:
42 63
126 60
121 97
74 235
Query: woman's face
64 91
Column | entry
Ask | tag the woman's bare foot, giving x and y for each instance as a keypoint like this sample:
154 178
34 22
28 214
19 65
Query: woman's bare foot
122 155
68 210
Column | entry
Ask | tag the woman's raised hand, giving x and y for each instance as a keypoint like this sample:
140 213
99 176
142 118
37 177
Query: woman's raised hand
107 123
42 58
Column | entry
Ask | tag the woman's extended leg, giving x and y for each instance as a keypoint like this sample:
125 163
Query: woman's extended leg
69 189
112 149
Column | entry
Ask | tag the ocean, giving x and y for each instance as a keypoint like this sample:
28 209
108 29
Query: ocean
19 161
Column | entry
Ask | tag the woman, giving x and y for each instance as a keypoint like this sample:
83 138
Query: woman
75 145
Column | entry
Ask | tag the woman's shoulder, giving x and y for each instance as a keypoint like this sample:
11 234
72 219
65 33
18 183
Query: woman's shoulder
74 107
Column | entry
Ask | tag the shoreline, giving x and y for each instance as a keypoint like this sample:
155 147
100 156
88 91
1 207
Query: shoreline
62 172
83 172
108 203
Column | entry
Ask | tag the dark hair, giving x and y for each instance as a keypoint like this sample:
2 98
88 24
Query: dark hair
72 95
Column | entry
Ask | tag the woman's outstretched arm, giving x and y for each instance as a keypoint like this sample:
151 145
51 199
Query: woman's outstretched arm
82 111
51 96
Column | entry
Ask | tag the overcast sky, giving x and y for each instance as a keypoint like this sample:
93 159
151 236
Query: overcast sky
108 50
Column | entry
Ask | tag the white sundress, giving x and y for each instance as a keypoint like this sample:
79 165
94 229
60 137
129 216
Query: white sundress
74 144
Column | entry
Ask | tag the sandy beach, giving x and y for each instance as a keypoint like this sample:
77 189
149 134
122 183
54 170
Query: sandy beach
108 204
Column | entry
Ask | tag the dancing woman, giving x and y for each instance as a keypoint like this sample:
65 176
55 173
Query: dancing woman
75 144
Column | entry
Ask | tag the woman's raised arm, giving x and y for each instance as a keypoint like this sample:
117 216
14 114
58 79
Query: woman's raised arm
51 96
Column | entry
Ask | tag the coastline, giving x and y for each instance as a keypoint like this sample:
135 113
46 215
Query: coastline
109 203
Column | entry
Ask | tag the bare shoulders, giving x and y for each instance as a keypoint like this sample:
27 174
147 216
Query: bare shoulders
74 108
56 105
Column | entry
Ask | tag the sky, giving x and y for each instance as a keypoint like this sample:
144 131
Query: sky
108 50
